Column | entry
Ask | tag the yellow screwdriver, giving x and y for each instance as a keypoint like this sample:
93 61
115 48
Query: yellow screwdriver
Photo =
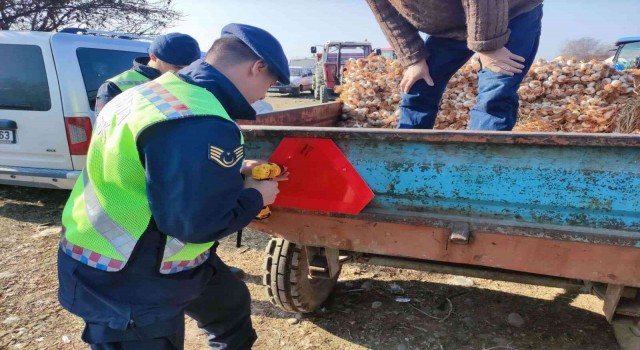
267 171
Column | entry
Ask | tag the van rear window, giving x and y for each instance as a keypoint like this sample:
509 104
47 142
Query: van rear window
23 78
98 65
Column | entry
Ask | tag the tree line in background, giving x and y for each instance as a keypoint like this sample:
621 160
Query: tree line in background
152 16
131 16
585 49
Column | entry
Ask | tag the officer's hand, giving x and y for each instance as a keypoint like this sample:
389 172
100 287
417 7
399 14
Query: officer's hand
267 188
501 61
249 164
413 73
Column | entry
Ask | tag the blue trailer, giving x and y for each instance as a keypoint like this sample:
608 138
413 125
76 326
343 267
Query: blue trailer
540 208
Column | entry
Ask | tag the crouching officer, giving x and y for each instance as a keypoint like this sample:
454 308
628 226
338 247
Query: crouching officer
162 184
172 51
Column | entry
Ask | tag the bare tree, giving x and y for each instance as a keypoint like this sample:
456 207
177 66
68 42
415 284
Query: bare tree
586 49
130 16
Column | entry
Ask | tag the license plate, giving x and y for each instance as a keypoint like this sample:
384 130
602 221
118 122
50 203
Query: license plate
273 90
7 136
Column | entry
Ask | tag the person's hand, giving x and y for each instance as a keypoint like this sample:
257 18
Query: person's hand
249 164
284 176
413 73
501 61
267 188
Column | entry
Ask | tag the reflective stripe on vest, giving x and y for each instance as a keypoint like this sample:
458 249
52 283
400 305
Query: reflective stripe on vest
164 101
173 247
119 238
172 108
89 257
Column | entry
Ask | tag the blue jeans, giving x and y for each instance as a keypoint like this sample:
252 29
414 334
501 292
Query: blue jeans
497 102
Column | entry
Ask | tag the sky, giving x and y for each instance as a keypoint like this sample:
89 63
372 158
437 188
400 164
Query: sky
299 24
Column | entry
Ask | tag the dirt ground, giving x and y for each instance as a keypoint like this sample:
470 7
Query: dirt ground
285 101
362 313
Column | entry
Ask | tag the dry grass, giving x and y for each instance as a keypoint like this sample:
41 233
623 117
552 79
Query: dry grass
628 119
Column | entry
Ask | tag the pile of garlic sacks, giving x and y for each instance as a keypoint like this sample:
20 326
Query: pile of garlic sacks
370 92
559 95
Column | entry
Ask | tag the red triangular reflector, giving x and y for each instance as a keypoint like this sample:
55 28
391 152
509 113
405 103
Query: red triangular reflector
320 177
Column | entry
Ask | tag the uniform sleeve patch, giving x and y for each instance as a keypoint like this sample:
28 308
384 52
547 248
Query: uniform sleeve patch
226 158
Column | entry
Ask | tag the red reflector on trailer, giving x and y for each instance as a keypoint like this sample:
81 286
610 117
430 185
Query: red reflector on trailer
320 177
78 134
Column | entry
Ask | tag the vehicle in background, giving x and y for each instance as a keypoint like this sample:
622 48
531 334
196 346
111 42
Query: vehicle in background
628 53
387 52
330 65
48 86
308 62
301 79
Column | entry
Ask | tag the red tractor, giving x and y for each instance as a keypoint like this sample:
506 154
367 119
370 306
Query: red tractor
330 65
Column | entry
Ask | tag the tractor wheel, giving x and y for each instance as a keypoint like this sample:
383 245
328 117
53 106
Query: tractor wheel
325 94
287 281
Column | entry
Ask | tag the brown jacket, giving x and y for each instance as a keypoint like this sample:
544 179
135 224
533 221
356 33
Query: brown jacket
483 24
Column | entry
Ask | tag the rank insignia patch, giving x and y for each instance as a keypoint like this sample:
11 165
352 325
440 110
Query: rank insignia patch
226 158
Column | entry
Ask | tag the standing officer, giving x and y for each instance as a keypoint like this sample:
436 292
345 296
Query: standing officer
163 183
172 51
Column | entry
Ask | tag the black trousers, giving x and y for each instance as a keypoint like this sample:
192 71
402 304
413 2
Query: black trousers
222 311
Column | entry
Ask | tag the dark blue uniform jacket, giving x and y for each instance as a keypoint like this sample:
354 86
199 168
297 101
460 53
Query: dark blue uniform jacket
192 198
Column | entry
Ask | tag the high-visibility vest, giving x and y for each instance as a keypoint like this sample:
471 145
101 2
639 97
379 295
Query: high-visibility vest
124 81
128 79
108 209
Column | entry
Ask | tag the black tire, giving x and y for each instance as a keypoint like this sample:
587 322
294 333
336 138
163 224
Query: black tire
286 278
296 91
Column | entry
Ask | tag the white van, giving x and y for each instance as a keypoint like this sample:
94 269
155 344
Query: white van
48 86
301 80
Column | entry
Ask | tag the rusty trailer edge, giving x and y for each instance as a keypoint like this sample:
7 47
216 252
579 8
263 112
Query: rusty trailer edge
567 259
319 121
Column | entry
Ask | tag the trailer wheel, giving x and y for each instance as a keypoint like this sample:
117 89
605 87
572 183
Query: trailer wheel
286 278
627 332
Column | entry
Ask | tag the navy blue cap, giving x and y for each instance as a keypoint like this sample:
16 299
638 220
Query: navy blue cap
265 45
176 49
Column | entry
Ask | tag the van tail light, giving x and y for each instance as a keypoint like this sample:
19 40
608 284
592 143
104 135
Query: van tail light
78 134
